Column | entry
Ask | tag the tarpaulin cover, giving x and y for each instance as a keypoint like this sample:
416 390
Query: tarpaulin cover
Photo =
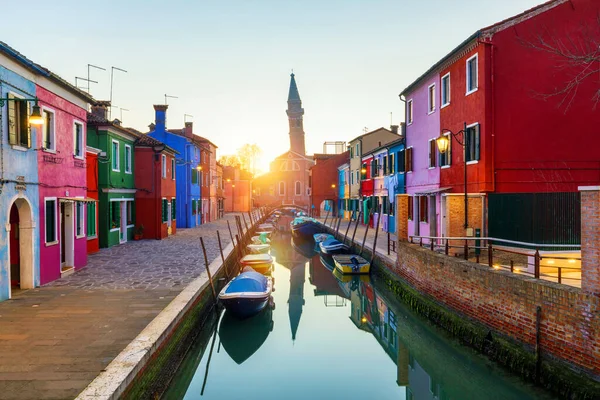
248 282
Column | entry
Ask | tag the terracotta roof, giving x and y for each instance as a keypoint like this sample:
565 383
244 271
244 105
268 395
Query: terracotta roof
148 141
96 120
195 138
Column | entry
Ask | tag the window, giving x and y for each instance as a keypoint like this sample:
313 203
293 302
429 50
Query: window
173 168
391 209
298 188
173 208
115 156
409 112
127 159
164 210
423 209
384 165
115 214
308 191
18 122
391 163
352 178
351 152
130 213
50 217
357 151
363 174
445 158
357 177
164 166
472 143
408 165
195 176
91 219
410 207
49 138
446 90
401 165
472 79
431 99
432 153
194 206
78 140
282 188
79 219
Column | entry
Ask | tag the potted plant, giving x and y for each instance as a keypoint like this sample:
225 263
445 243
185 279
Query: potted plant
138 233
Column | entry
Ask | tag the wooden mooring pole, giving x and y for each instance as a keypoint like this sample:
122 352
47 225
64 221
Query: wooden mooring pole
376 233
356 225
366 231
230 233
222 255
212 286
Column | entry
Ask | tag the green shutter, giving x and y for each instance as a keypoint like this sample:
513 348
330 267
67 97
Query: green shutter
164 210
12 120
173 208
476 129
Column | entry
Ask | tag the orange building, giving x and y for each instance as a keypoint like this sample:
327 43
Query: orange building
237 189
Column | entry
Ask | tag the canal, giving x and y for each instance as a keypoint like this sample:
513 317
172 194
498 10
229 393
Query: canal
326 338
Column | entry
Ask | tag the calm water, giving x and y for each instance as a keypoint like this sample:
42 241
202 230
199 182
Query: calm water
328 339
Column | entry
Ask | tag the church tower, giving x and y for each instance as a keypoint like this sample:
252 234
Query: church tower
295 113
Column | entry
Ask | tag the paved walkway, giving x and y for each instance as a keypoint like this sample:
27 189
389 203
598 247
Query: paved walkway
56 339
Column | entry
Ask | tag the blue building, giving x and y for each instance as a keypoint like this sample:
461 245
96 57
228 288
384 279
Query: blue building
343 190
19 194
189 174
396 183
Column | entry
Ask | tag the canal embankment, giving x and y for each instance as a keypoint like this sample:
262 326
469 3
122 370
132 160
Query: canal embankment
542 331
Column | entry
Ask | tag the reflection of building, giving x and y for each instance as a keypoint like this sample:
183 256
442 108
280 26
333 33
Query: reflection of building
324 281
296 298
287 181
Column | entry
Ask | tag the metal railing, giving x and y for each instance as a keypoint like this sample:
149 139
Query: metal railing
514 256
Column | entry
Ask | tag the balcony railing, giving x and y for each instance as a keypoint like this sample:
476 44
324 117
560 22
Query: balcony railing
559 263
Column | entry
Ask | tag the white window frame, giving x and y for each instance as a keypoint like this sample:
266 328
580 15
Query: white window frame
128 204
51 149
431 99
448 152
297 185
435 157
173 168
356 152
446 104
163 166
118 155
279 188
46 200
465 154
18 146
128 162
82 219
95 235
82 141
475 56
409 112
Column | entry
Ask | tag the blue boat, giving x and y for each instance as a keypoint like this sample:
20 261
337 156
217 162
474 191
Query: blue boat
305 228
320 237
333 246
246 294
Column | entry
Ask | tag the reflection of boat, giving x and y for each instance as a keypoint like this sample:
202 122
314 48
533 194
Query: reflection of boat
325 283
351 264
266 227
305 228
260 239
321 237
247 293
259 262
333 246
258 248
327 262
242 338
307 249
349 283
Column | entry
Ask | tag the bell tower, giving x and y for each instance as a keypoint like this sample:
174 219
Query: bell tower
295 113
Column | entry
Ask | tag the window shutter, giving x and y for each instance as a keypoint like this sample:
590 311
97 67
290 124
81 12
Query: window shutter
26 127
401 161
476 137
12 120
173 208
164 210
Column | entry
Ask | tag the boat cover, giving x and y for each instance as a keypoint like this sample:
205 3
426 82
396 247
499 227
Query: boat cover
248 282
331 243
257 259
321 237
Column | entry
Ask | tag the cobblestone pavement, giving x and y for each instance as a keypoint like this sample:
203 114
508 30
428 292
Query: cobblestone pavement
54 340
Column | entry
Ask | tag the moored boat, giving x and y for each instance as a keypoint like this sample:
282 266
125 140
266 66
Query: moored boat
260 239
320 237
333 246
246 294
262 263
351 264
305 228
258 248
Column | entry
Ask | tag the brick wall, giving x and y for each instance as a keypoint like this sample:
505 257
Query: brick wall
402 217
455 214
590 239
507 303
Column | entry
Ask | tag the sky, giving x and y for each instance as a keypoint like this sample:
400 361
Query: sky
228 62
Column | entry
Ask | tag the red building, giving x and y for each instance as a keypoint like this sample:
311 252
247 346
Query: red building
529 150
237 189
324 181
155 182
93 245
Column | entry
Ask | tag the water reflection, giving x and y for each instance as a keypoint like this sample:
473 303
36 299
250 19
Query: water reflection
357 342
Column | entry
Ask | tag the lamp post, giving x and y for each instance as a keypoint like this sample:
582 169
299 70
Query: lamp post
36 116
233 197
443 142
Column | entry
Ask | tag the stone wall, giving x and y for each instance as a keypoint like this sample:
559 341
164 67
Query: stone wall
506 303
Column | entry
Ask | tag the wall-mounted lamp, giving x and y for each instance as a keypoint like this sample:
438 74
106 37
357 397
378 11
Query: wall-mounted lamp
333 185
36 116
199 167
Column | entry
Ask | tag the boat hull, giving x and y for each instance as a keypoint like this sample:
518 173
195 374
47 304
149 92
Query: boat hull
242 307
306 230
261 268
343 265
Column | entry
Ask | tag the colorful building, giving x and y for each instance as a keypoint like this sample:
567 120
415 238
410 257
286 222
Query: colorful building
116 181
395 182
237 190
344 189
325 199
220 194
155 180
188 165
19 189
93 243
213 208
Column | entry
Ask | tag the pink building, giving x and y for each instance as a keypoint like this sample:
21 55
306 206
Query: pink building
62 177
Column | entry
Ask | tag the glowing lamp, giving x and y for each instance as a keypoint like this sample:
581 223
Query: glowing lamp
442 143
363 171
36 116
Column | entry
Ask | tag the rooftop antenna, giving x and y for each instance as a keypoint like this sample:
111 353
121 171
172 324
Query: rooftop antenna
365 129
391 120
77 78
170 97
112 70
122 109
185 117
88 78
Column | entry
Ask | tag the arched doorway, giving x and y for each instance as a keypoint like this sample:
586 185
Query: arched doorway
327 207
20 249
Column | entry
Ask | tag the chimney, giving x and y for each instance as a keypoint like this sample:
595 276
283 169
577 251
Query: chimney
117 122
394 129
100 108
151 126
188 129
160 117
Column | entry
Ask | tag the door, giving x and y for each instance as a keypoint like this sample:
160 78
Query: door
15 257
67 234
169 216
432 215
123 224
62 233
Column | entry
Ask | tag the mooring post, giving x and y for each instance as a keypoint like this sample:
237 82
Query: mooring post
212 286
212 346
366 231
376 232
222 256
447 247
536 265
239 251
466 250
347 229
230 233
490 255
245 223
356 226
538 355
326 216
388 241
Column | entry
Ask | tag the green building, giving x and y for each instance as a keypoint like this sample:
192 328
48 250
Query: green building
116 181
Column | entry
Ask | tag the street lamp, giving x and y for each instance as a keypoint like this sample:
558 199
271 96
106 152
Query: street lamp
36 116
443 142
